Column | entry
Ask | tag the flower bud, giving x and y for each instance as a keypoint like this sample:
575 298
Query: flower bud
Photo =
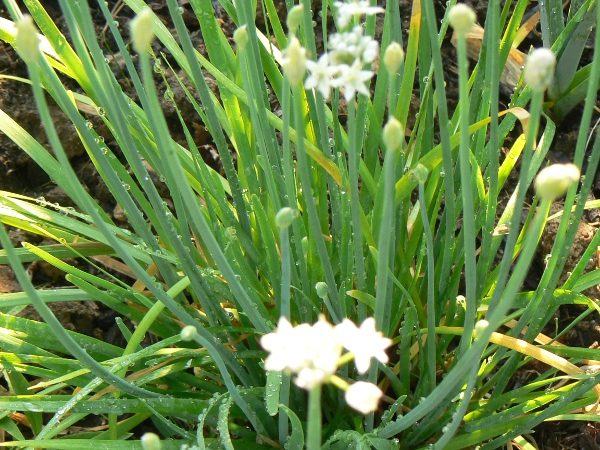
27 42
393 134
142 30
393 58
285 216
304 244
462 18
188 333
553 181
294 62
294 18
420 172
363 396
480 326
539 69
240 37
321 288
150 441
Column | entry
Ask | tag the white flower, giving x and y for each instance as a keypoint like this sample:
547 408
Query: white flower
363 396
322 75
539 69
553 181
293 62
308 378
364 342
323 353
285 346
355 8
353 79
351 46
312 352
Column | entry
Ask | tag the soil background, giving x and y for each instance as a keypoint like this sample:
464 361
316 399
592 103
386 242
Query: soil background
19 174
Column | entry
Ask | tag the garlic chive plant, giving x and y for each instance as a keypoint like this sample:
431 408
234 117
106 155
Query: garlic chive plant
353 273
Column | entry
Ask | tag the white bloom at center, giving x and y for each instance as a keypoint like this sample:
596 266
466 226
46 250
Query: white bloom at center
353 79
364 342
312 352
286 351
363 396
354 8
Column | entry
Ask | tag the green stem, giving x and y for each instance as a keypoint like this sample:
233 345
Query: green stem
284 310
466 175
431 319
313 438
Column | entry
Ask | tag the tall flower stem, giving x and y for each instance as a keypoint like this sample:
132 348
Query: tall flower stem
313 438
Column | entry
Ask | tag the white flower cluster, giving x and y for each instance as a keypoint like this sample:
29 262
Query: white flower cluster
342 66
314 352
352 9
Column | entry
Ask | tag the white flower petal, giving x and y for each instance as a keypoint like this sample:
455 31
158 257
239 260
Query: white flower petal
363 396
365 342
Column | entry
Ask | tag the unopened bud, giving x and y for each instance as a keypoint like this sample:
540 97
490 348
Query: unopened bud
294 62
285 216
294 18
393 134
240 37
480 326
150 441
321 288
27 42
304 245
420 172
393 58
188 333
539 69
553 181
142 30
461 18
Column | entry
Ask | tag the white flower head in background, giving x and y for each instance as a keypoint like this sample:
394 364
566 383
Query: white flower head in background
346 11
353 79
142 30
293 62
351 46
462 18
365 342
539 69
363 396
321 75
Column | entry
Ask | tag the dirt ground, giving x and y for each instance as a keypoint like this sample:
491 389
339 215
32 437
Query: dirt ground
19 174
